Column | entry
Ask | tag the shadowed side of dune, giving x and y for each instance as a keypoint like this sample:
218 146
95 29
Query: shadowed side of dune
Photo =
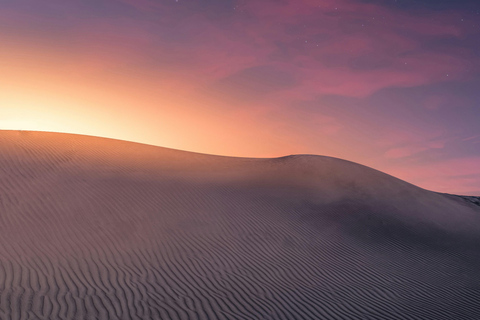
95 228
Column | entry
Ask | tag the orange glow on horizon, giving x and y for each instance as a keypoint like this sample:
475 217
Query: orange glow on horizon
48 89
48 92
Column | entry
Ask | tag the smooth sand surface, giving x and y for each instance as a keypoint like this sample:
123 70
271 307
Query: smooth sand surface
93 228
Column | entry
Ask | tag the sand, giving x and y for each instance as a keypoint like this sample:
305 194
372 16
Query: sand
94 228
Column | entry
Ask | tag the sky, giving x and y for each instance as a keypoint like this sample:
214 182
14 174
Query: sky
391 84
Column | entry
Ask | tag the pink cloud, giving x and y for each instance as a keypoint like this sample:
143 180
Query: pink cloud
451 176
475 137
415 148
271 24
285 34
339 47
403 152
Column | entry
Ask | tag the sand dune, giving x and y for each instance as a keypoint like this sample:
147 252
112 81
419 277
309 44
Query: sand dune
93 228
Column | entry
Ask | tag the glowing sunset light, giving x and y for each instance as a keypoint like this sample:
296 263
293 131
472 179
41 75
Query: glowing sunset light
391 86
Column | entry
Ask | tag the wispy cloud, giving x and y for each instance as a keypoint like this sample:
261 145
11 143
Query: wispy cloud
375 81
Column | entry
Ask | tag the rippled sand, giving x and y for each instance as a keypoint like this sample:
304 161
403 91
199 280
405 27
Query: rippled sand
93 228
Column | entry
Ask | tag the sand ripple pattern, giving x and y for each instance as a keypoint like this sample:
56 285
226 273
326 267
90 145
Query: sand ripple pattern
93 228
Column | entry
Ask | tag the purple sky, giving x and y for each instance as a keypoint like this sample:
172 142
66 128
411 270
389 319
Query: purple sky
390 84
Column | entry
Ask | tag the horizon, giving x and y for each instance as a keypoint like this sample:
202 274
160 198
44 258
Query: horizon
477 195
390 85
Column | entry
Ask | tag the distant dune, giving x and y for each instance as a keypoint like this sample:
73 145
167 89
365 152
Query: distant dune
94 228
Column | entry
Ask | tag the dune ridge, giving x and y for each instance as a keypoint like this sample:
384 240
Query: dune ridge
94 228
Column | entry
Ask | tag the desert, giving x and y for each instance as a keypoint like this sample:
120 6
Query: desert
95 228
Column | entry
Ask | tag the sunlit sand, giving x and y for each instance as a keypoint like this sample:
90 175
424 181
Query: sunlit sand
94 228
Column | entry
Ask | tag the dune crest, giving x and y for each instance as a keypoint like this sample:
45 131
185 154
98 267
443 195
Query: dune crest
94 228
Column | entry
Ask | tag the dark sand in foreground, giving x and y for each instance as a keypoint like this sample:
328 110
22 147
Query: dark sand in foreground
93 228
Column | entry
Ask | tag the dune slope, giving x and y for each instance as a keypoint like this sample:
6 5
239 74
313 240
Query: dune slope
93 228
